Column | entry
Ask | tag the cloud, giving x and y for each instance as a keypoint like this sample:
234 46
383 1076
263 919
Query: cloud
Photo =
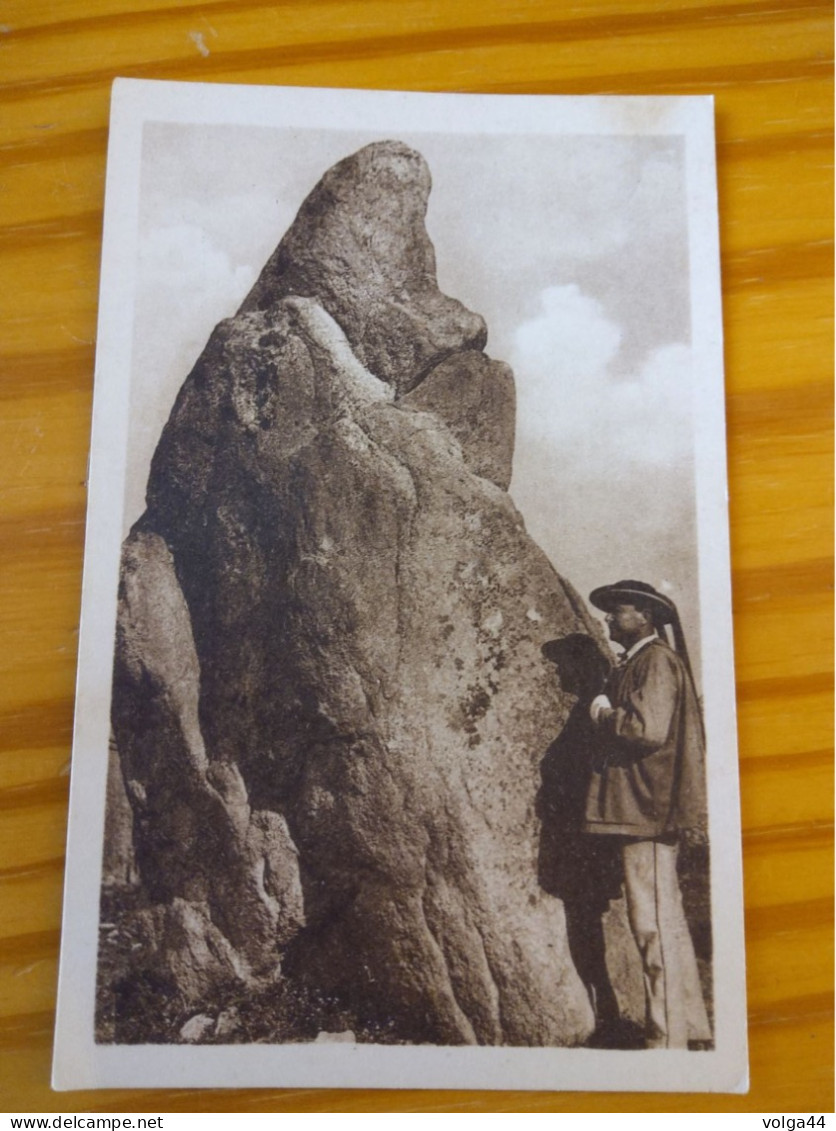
246 224
603 471
184 260
570 340
569 397
185 280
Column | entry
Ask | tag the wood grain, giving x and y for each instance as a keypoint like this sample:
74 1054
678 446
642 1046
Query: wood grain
770 67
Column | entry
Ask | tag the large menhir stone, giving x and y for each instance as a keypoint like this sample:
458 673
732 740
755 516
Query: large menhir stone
331 619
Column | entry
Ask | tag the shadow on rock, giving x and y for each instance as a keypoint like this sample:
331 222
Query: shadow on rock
581 870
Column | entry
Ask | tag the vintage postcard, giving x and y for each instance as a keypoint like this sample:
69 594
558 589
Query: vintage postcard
405 743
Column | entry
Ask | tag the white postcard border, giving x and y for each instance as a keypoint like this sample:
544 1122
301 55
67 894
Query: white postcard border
81 1063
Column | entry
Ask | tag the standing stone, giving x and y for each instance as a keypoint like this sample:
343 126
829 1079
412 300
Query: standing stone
329 687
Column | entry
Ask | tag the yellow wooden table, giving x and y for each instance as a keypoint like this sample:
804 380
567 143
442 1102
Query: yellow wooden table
770 68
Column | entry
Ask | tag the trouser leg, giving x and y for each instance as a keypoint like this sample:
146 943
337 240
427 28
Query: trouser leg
674 1005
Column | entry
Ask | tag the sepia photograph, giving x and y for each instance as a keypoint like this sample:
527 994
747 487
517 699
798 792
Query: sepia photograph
405 740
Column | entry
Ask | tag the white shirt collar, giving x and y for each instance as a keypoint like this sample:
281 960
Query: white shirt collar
630 653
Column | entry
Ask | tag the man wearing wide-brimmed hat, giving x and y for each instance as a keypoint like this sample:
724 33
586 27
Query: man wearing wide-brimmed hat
648 789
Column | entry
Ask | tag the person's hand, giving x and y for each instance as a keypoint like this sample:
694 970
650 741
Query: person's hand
600 709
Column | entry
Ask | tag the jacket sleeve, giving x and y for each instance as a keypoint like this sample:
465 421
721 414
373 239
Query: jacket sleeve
642 721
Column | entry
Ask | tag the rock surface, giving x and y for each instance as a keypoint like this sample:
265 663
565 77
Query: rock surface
203 853
360 248
475 398
329 699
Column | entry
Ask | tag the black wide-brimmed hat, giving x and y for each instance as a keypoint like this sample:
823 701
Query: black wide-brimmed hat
629 592
640 593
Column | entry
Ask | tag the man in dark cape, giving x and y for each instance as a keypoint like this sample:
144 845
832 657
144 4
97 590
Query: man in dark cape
647 792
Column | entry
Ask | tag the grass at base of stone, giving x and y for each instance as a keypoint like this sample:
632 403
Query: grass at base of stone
138 1008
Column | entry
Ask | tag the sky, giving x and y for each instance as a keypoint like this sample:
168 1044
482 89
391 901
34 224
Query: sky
572 247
